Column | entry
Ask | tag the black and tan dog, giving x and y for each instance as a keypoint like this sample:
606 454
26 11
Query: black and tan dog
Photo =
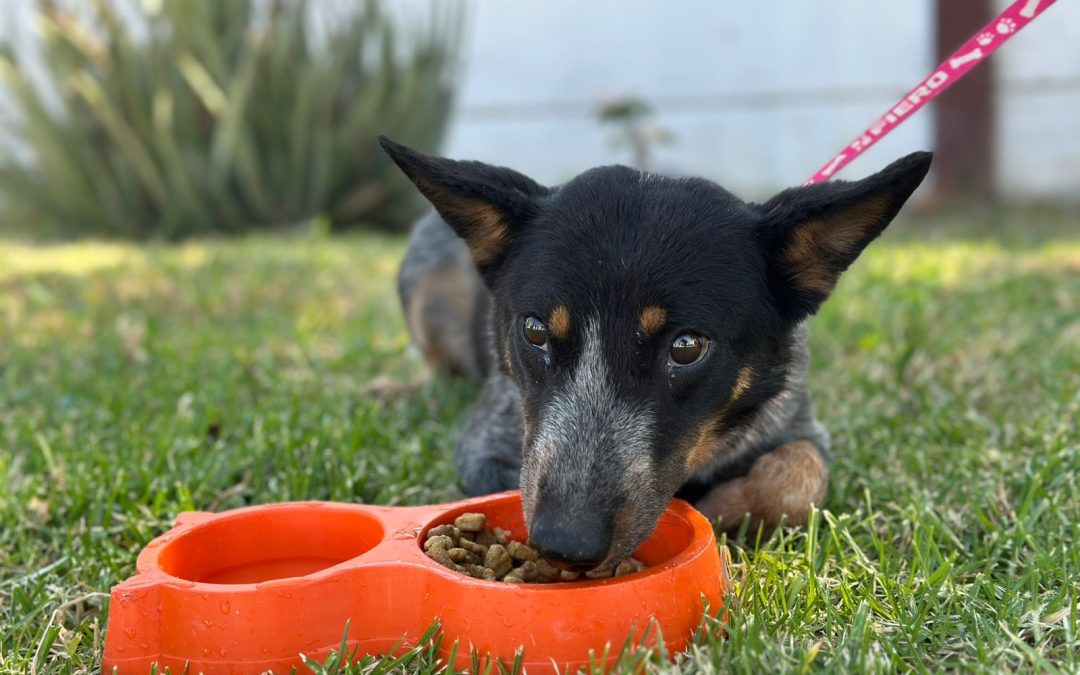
640 337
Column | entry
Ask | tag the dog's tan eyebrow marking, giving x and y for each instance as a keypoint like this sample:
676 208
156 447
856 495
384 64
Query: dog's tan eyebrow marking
652 320
558 324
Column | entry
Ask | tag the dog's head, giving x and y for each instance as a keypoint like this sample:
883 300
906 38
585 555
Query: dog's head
642 318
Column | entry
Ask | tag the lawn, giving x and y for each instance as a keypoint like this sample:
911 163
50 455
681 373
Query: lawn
139 382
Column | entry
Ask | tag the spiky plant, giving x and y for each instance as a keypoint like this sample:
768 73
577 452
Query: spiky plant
194 116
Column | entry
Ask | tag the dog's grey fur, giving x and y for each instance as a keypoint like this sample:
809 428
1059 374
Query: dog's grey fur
590 445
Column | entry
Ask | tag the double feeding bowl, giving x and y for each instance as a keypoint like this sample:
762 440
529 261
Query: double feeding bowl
252 589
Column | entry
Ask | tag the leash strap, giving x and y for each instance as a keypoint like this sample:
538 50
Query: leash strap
981 45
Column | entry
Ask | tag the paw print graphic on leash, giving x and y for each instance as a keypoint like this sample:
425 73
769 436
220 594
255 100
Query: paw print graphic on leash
984 38
1005 26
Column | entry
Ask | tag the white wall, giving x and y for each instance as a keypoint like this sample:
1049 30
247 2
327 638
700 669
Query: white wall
1038 77
695 61
536 70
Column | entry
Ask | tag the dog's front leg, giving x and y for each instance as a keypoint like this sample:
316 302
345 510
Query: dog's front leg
488 454
781 486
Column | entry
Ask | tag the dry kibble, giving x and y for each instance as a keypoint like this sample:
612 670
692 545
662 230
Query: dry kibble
546 571
439 541
469 548
473 547
604 572
440 556
519 551
528 571
498 560
629 566
444 531
471 522
479 572
460 555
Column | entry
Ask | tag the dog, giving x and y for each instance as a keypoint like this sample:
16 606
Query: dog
639 337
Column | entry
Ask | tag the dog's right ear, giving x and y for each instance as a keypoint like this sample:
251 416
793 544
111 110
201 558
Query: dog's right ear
485 205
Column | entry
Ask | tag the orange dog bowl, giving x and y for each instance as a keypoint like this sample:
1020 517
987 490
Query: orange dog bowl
250 590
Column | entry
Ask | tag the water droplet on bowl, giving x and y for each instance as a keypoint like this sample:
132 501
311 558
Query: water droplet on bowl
407 533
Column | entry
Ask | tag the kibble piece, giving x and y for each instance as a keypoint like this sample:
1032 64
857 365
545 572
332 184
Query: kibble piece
479 572
439 541
569 575
460 555
519 551
501 536
485 538
444 531
528 571
440 556
473 547
498 560
471 522
604 572
513 577
546 571
629 566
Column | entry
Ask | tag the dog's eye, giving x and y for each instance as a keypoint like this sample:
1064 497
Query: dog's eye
688 348
535 332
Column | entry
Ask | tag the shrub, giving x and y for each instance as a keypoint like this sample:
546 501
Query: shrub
198 116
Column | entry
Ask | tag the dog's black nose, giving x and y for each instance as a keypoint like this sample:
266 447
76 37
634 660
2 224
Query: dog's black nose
581 542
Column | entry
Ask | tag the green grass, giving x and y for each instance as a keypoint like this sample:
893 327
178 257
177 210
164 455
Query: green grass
138 382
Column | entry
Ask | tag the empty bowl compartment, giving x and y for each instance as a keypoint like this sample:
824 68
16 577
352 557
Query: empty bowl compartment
259 545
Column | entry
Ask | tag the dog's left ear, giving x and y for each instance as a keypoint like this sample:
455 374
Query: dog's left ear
485 205
812 234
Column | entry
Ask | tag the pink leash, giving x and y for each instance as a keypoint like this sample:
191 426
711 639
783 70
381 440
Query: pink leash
981 45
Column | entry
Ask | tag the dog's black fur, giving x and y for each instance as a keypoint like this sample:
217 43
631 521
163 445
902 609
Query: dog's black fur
600 427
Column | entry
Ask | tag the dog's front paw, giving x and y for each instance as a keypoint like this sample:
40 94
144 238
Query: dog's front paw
781 486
